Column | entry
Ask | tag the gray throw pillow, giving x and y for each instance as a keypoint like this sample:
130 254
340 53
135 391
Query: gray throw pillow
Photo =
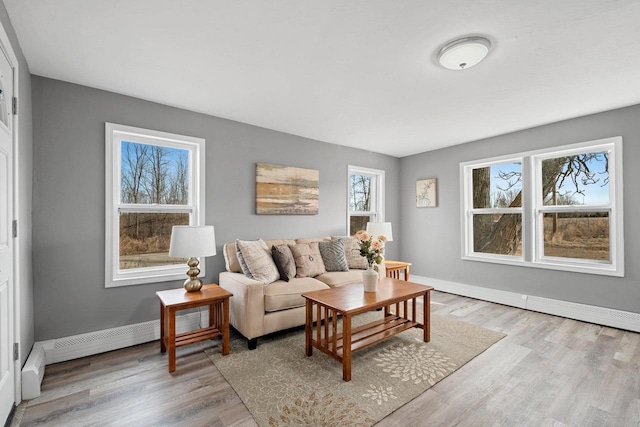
258 259
333 255
352 251
284 261
308 259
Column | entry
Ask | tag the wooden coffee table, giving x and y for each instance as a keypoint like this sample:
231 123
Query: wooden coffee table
350 300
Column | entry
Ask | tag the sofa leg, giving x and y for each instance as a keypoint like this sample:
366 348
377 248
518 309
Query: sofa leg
252 343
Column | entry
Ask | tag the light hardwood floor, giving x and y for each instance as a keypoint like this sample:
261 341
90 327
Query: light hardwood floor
548 371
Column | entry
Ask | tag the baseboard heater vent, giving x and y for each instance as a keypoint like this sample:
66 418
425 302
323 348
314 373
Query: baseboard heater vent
626 320
82 345
33 372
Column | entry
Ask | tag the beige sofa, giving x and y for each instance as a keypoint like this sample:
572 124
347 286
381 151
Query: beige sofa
257 309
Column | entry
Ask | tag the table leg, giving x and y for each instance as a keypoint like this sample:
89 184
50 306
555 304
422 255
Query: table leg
171 339
163 346
225 327
346 347
308 328
427 317
406 273
213 316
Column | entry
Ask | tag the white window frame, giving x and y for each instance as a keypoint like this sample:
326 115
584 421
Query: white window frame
377 212
533 210
114 135
470 210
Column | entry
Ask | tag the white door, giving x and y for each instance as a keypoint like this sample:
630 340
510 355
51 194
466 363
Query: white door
7 368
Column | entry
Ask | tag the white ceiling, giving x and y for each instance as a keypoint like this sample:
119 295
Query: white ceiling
360 73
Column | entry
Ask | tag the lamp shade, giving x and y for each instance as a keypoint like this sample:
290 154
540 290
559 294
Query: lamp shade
189 241
380 229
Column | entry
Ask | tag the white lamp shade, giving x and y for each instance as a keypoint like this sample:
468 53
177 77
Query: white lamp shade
189 241
380 229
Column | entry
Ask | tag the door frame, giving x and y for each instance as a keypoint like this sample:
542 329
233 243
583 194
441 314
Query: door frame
7 47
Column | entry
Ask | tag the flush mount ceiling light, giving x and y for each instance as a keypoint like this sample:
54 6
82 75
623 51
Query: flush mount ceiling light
463 53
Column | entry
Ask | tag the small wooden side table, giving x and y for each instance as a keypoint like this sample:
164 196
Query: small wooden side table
395 267
178 299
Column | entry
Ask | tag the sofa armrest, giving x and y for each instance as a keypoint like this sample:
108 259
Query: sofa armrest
246 306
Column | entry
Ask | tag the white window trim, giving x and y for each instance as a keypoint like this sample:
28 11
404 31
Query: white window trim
379 198
114 133
532 210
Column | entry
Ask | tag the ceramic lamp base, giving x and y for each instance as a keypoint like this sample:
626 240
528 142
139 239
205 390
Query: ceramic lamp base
193 283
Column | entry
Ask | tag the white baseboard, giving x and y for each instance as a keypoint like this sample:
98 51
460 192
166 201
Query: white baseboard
587 313
33 372
76 346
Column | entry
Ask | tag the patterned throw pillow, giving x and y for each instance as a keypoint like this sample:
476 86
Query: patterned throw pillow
308 259
352 251
333 255
258 259
284 261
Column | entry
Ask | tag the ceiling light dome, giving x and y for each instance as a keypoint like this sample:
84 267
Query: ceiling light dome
463 53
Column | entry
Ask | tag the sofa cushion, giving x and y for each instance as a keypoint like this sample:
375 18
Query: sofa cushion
308 259
312 239
258 258
352 252
333 255
231 258
339 278
278 242
231 261
243 264
284 261
281 295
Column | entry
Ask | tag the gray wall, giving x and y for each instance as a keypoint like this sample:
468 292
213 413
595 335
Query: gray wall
24 156
431 236
69 207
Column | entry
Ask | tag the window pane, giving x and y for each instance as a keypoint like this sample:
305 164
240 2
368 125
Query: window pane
577 235
145 239
153 174
497 186
497 234
357 223
360 193
582 179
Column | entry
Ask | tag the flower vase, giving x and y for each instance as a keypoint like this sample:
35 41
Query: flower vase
370 279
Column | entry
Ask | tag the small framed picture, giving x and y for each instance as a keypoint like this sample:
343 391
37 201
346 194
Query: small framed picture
426 194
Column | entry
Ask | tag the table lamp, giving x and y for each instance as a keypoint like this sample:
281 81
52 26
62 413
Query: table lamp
189 241
380 229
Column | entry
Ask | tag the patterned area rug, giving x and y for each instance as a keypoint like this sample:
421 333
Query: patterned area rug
281 386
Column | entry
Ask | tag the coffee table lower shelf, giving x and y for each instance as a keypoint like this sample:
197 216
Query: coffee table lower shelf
364 335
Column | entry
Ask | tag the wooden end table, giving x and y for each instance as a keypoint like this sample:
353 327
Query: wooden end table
394 268
178 299
349 300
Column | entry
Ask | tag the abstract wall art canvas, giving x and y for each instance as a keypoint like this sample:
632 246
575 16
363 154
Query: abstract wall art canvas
426 193
285 190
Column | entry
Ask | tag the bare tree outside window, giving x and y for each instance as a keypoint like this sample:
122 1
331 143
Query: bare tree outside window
360 201
581 179
156 175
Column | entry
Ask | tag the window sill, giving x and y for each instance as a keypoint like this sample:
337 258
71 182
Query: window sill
599 268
